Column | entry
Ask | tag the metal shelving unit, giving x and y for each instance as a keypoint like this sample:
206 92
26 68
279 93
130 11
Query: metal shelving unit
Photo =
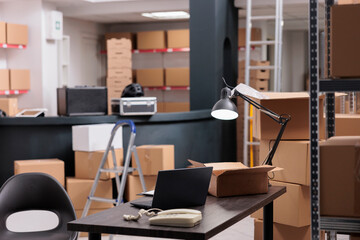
329 86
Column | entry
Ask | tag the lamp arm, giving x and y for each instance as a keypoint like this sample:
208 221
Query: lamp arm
276 117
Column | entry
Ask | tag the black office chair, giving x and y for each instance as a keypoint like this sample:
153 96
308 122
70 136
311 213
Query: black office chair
36 191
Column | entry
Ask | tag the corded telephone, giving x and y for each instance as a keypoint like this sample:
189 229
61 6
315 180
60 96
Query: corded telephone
177 218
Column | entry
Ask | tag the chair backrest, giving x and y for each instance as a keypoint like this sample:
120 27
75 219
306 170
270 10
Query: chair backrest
36 191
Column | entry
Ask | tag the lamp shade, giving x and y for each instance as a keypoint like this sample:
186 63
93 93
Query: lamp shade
224 109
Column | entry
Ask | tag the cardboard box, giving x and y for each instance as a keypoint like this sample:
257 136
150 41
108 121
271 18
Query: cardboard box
154 158
116 85
293 157
341 2
53 167
112 44
90 212
295 104
16 34
255 36
176 106
133 186
178 38
115 92
87 164
4 79
120 35
9 105
2 32
258 73
160 107
151 40
292 208
347 125
177 76
248 180
339 178
284 232
344 47
113 53
119 63
20 79
152 77
79 190
94 137
253 63
125 73
261 85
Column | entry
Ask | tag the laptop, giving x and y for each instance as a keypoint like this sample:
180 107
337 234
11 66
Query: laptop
178 188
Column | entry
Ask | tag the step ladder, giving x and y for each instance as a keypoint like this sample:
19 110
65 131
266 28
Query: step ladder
123 170
276 68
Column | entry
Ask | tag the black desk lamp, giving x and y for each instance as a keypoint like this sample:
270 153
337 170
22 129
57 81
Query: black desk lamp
225 109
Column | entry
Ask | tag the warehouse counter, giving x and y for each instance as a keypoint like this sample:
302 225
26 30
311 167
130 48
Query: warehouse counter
195 135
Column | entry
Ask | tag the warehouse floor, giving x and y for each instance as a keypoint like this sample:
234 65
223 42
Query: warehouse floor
243 230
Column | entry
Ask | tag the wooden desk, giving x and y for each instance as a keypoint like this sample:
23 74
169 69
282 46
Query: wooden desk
218 214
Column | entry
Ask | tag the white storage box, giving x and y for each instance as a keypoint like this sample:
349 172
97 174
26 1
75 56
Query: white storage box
94 137
134 106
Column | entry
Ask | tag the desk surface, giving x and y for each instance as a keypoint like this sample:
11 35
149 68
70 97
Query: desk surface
218 214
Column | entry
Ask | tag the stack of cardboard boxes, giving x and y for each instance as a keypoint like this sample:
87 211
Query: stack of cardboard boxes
89 144
292 210
153 158
119 64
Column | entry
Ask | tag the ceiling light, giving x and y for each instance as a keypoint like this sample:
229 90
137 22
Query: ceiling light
104 1
167 15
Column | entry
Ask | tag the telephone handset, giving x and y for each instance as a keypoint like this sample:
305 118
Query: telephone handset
177 218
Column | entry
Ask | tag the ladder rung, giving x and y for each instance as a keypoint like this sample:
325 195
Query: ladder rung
263 17
261 67
253 143
99 199
262 42
116 170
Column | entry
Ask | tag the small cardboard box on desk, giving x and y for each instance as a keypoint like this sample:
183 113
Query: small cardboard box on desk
234 178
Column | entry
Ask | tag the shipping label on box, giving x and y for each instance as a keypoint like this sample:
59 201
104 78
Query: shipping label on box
296 167
9 106
248 180
94 137
20 79
151 40
292 208
4 79
87 163
118 44
177 77
154 158
79 190
2 32
178 38
340 177
133 186
53 167
16 34
152 77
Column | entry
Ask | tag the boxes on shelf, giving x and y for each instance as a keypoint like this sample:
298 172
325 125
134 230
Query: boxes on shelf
296 167
20 79
285 232
344 47
160 107
261 85
225 174
152 77
118 44
87 164
119 63
258 73
53 167
255 35
94 137
339 178
176 106
120 35
16 34
344 124
151 40
154 158
177 76
4 79
133 186
2 32
292 208
119 73
117 84
9 106
79 190
178 38
295 104
159 94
